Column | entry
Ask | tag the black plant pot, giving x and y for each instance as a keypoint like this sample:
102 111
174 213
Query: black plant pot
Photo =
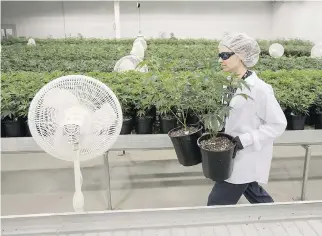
127 126
3 130
318 121
310 119
217 166
295 122
28 134
186 148
152 112
14 128
167 124
144 125
287 114
192 119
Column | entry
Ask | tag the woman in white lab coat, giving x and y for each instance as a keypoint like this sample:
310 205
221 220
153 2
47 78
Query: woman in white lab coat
255 123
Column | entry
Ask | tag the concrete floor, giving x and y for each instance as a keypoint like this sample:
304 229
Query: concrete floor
39 183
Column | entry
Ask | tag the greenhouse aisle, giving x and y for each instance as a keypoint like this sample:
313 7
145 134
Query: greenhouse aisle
38 183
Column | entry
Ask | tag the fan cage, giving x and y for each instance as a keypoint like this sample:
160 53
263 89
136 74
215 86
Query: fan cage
135 62
92 95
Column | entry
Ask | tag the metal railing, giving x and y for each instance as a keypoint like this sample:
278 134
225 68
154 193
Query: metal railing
304 138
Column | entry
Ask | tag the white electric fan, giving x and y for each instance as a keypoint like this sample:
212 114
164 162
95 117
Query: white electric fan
316 51
138 50
75 118
141 40
130 62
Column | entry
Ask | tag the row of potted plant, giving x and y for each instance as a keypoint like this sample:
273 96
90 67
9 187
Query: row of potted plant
163 96
299 93
293 47
101 55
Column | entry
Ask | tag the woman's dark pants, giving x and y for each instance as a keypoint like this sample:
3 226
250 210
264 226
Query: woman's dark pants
224 193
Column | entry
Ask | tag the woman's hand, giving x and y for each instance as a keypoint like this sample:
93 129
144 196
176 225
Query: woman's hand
239 145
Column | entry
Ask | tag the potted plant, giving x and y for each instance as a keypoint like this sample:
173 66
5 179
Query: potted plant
128 117
145 108
299 101
164 102
218 148
128 114
10 115
184 137
12 123
144 120
318 110
296 93
126 96
283 98
310 118
3 131
168 121
23 109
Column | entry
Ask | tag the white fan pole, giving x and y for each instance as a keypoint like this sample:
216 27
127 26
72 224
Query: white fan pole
108 180
78 200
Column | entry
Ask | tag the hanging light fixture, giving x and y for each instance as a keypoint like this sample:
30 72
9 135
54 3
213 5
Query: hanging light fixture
138 5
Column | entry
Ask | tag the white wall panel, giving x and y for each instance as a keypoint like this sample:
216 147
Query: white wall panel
262 19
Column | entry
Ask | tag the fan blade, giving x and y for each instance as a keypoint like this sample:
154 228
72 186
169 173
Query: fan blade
62 147
60 99
103 118
98 131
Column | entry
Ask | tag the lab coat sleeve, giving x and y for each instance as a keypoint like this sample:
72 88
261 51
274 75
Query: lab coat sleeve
273 120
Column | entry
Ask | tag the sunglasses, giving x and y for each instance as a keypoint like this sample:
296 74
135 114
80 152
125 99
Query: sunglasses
225 55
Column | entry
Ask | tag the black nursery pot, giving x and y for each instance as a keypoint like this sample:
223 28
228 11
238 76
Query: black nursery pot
3 131
295 122
318 121
192 119
310 119
14 128
152 112
144 125
127 126
167 124
217 166
186 148
28 134
287 114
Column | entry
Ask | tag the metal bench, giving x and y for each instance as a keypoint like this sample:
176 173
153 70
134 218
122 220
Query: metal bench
289 219
304 138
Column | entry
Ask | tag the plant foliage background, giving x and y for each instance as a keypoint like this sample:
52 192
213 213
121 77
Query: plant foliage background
184 74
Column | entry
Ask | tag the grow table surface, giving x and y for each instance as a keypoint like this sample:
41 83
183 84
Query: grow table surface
294 219
159 141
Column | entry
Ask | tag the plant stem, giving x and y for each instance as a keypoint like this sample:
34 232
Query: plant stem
184 120
178 119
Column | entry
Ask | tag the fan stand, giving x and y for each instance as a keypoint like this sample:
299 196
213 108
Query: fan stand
108 178
78 199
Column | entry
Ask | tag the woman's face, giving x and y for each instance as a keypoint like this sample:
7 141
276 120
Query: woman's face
229 61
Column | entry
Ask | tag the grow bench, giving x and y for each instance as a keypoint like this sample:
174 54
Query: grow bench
270 219
304 138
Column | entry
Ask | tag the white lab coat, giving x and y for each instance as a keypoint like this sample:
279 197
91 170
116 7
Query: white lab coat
257 122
